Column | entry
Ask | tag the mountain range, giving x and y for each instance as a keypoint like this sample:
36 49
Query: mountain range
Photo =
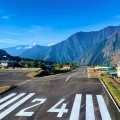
84 48
106 52
16 51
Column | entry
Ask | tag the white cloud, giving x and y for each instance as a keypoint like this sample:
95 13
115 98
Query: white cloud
19 48
5 17
117 17
28 47
15 33
36 26
9 41
33 31
50 44
34 44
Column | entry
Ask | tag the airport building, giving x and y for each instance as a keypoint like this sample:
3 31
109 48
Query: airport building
118 69
5 62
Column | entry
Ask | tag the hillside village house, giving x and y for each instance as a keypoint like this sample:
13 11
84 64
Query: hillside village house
66 67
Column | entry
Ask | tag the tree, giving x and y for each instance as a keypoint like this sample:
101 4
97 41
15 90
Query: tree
40 64
71 65
67 63
60 66
28 64
32 63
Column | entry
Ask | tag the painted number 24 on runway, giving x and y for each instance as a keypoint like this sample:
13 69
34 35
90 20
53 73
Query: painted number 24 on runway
90 115
41 101
75 109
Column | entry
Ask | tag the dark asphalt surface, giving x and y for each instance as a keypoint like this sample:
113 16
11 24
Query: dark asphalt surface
65 89
13 77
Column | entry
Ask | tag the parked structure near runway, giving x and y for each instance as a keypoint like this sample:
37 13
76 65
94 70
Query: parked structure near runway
5 62
118 69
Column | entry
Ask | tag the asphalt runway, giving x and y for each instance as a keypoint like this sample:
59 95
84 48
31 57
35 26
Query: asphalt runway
70 96
13 77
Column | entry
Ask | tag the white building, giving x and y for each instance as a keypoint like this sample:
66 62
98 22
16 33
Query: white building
118 69
6 62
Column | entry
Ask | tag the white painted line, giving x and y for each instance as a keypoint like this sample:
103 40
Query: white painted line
10 109
110 95
11 100
89 108
23 113
7 97
76 108
103 109
68 78
75 73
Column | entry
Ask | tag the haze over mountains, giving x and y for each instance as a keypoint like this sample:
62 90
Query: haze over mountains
85 48
16 51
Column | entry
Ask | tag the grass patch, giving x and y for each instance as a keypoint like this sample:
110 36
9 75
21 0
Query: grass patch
4 88
92 73
115 92
33 74
112 88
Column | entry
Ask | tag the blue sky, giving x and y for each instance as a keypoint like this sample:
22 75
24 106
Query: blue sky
46 22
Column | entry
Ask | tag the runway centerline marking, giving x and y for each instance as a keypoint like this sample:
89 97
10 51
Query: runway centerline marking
9 96
10 109
68 78
103 109
89 108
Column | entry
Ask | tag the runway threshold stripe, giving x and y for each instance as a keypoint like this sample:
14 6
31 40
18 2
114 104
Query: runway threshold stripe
11 100
7 97
103 109
10 109
89 108
76 108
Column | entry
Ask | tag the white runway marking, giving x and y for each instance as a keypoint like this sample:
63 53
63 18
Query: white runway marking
76 108
10 109
7 97
89 108
68 78
11 100
75 73
23 113
103 109
61 110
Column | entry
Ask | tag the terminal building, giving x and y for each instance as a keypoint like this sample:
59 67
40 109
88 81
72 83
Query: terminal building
5 62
